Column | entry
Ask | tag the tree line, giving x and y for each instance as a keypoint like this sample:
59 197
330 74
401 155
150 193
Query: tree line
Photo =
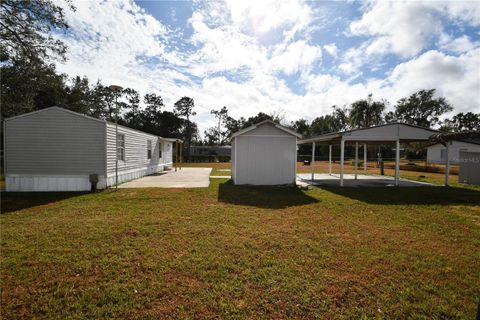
421 108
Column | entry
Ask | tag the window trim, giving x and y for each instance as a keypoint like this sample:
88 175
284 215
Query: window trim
149 149
121 147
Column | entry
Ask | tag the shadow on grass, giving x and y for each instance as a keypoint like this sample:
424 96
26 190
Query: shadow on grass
263 197
409 195
13 201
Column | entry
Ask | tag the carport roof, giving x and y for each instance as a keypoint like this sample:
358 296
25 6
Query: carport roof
378 134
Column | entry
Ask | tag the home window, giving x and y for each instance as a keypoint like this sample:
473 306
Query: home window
149 149
159 150
443 154
121 147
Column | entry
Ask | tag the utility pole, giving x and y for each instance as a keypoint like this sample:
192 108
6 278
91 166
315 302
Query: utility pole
116 89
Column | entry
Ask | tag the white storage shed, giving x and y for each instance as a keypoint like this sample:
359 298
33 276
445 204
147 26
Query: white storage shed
469 168
55 149
264 154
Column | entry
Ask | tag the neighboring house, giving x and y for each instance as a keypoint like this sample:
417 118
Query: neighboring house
55 149
264 154
223 151
437 153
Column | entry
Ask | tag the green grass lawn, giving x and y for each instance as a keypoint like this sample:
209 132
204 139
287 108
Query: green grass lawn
242 252
220 172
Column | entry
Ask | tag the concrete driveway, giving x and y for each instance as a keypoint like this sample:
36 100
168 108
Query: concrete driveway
185 178
326 180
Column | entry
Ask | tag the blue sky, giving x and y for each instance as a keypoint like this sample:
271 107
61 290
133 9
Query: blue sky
289 57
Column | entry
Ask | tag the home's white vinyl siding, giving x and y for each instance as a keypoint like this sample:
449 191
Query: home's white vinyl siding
57 150
136 163
54 141
167 153
53 150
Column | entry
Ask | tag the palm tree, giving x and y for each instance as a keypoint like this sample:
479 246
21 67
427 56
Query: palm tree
366 113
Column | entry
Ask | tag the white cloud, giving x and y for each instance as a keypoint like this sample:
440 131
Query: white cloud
352 60
109 39
404 28
221 48
238 49
331 49
465 11
457 78
458 45
407 27
296 56
291 16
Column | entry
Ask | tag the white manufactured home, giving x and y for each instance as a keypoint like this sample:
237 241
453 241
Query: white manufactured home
437 153
264 154
55 149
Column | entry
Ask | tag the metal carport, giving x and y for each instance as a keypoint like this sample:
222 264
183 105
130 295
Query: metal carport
389 133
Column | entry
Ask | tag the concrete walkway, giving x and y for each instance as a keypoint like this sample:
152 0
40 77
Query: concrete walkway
185 178
324 179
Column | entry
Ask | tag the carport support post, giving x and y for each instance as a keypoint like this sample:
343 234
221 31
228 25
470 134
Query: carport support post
356 160
397 163
176 155
342 154
365 158
181 159
313 161
330 159
447 165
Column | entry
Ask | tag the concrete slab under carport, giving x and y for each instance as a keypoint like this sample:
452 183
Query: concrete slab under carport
327 180
184 178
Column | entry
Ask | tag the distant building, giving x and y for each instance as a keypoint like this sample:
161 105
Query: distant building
223 151
436 154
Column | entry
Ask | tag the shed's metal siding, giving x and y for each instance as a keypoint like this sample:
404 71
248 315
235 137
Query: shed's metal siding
233 158
469 167
56 142
264 156
136 163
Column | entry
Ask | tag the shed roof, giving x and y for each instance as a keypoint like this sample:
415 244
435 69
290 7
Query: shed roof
378 134
279 126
